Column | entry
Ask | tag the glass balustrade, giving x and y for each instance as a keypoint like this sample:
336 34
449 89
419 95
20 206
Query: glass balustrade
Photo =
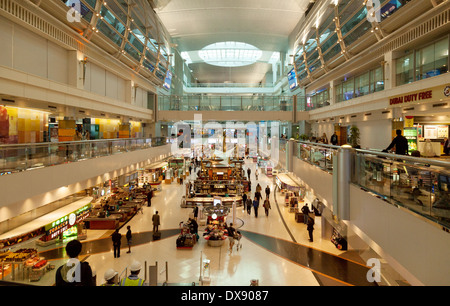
225 103
417 184
20 157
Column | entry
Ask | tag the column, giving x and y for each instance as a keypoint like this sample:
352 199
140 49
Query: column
342 171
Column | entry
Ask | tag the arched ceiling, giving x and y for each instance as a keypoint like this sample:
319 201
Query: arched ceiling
265 24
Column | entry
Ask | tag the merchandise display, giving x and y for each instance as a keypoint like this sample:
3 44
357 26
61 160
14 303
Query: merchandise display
217 178
117 207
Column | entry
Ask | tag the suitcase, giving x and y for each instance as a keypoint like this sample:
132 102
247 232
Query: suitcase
156 235
189 241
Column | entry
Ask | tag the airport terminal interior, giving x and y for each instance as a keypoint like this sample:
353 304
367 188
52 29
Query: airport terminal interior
224 143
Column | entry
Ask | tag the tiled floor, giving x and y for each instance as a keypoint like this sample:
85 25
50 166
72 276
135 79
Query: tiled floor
268 251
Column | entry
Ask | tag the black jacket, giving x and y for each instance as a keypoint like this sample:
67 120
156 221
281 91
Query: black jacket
401 145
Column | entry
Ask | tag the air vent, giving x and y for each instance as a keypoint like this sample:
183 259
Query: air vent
368 114
82 111
440 105
8 100
409 109
353 116
386 112
52 107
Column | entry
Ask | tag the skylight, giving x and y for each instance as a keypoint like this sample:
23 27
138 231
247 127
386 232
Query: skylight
230 54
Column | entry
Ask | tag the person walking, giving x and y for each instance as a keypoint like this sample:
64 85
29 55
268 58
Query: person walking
244 199
258 196
400 143
267 191
128 235
74 272
133 279
231 236
266 206
156 222
248 173
305 211
249 205
310 228
256 206
256 174
117 240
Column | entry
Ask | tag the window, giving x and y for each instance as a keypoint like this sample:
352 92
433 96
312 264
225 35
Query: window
369 82
362 85
376 80
424 63
405 70
432 60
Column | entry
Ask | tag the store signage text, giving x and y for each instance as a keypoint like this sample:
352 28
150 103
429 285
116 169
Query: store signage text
415 97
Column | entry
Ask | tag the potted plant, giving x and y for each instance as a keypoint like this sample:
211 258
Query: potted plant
354 136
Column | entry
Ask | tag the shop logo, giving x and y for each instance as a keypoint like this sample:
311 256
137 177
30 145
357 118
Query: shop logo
73 15
373 11
447 91
231 140
374 273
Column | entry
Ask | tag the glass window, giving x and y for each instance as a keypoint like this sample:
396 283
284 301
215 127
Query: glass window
357 33
109 32
332 52
118 11
354 21
432 60
338 92
132 51
349 10
362 83
348 89
330 42
405 70
136 42
112 20
441 56
328 22
377 80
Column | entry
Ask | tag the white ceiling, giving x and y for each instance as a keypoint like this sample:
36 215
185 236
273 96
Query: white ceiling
265 24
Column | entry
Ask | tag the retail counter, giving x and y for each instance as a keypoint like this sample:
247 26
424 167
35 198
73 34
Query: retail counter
208 201
111 222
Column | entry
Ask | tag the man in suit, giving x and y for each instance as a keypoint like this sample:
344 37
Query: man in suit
156 222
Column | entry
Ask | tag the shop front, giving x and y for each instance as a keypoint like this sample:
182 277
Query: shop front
425 120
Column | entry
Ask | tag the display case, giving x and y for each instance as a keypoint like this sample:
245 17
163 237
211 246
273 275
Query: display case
411 135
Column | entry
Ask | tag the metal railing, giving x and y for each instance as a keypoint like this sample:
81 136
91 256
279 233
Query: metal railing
20 157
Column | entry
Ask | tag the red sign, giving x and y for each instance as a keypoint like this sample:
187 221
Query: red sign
415 97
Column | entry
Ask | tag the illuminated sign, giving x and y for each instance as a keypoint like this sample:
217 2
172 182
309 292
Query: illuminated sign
427 95
415 97
59 226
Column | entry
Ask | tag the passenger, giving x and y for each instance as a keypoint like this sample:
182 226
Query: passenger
74 272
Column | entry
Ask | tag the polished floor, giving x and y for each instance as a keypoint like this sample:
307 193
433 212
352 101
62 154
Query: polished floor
275 249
